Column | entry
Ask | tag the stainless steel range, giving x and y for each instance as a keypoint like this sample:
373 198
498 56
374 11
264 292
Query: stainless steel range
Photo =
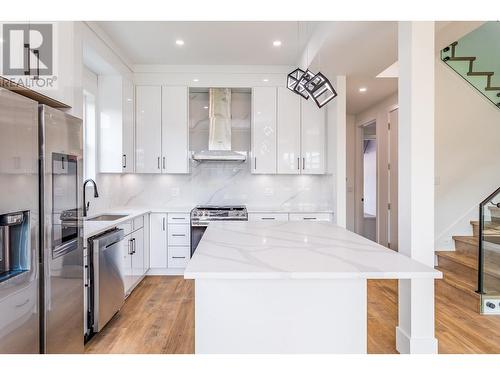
201 216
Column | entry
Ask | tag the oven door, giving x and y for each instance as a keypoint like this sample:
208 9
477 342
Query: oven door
197 231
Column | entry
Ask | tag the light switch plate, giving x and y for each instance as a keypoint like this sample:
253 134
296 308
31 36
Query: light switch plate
490 306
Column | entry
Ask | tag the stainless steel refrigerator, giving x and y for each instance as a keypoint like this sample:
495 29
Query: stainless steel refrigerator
41 231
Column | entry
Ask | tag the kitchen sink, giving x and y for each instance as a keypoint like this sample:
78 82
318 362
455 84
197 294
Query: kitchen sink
107 217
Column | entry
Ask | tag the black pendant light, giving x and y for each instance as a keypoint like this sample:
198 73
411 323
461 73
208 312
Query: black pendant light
300 87
306 83
320 89
293 78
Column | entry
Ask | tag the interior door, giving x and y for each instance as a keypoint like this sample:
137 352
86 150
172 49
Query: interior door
264 130
288 132
313 129
148 129
393 179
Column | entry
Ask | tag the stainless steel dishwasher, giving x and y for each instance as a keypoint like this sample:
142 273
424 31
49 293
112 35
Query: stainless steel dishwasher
107 292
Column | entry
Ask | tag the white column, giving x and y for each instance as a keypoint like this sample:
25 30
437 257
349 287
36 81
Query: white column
336 148
415 333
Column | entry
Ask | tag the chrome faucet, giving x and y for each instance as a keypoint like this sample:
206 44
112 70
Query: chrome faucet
86 204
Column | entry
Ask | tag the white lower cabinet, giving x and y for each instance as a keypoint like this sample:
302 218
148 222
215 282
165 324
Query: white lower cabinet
138 254
158 242
313 216
170 242
268 216
135 244
128 279
178 256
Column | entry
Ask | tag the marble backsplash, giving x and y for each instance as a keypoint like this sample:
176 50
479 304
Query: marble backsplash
218 183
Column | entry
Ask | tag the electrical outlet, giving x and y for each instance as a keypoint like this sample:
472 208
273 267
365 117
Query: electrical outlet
491 306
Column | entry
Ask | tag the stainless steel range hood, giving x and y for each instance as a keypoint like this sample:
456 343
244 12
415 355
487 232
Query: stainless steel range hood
219 135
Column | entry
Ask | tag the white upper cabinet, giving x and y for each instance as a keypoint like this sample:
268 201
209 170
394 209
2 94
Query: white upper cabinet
148 129
289 159
264 130
313 138
175 130
128 134
116 125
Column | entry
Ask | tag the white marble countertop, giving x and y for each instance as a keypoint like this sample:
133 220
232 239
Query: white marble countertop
296 250
91 228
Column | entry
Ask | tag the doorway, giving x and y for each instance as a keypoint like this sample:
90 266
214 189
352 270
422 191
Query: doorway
369 160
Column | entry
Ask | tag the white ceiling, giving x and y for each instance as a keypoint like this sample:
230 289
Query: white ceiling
208 43
359 50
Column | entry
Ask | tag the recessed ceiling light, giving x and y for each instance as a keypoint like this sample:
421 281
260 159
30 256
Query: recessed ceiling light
206 107
195 79
179 42
362 89
277 43
265 80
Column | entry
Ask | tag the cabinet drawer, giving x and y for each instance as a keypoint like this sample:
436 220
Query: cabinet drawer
126 226
311 217
138 222
268 216
178 235
179 218
178 257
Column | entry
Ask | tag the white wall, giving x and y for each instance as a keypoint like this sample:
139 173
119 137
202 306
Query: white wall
467 154
350 171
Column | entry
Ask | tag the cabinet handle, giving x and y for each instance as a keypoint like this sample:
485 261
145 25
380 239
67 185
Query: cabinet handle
163 224
158 162
164 162
124 161
310 218
255 162
298 163
178 257
28 70
37 53
303 163
268 218
177 218
130 246
178 235
133 241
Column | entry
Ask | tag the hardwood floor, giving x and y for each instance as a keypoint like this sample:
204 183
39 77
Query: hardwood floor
159 318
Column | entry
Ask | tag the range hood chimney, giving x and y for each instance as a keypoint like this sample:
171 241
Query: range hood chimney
219 134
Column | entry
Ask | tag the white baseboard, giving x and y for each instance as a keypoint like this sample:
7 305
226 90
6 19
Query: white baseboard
408 345
166 272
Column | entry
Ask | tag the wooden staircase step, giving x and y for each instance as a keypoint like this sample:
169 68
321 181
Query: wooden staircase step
464 259
490 228
461 264
466 244
459 290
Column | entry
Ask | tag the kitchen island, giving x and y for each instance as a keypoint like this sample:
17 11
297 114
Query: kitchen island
288 287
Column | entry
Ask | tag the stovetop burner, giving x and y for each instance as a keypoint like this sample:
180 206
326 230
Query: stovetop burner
205 213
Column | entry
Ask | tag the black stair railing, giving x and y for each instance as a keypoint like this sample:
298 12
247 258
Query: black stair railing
481 251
